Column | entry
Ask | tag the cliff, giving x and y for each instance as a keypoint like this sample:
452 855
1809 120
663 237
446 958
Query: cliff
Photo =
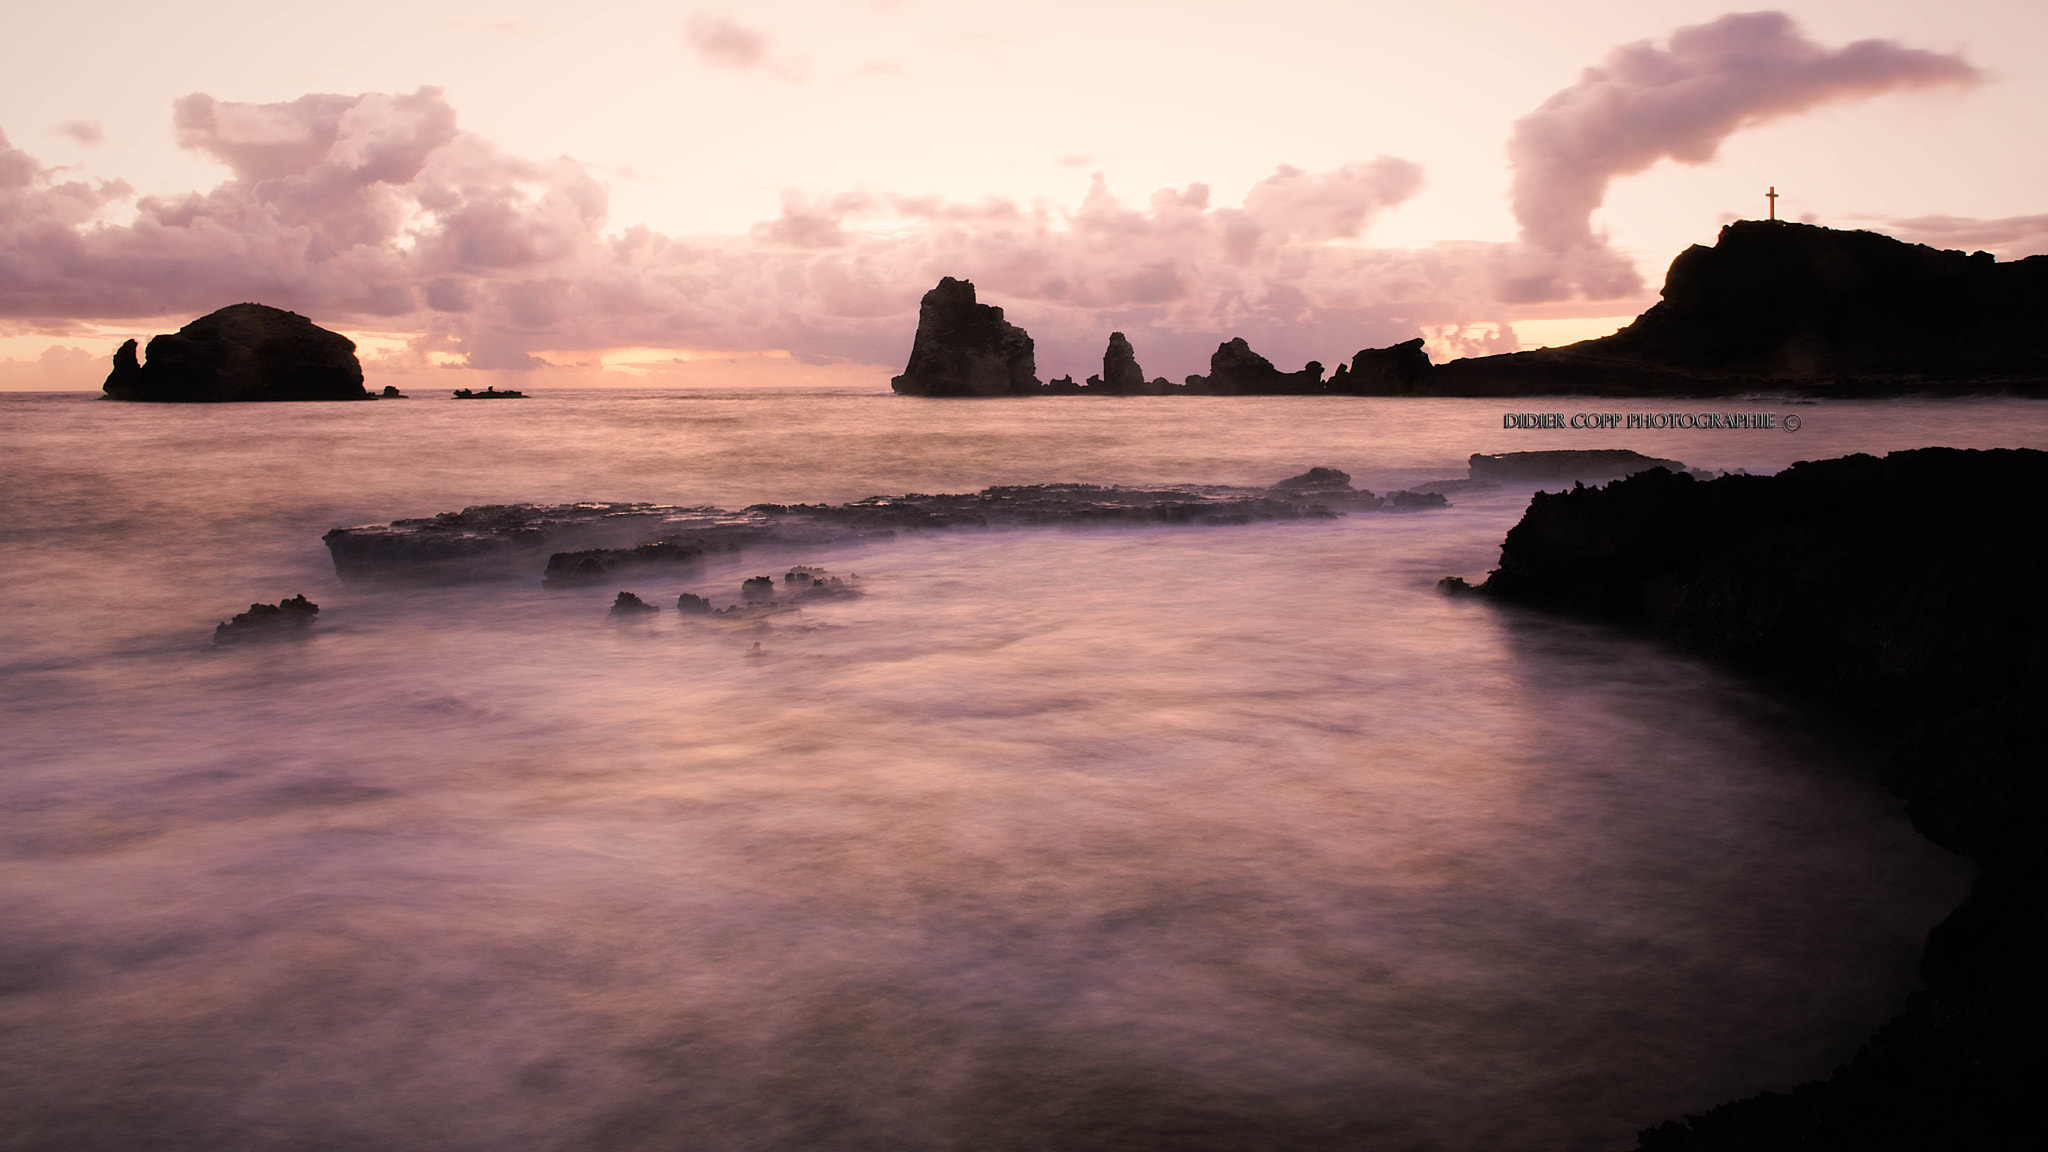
1794 307
1896 594
241 352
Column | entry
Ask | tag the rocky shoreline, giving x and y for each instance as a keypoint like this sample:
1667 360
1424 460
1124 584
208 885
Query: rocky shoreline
1894 594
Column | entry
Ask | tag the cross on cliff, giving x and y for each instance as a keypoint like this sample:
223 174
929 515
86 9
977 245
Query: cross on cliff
1772 196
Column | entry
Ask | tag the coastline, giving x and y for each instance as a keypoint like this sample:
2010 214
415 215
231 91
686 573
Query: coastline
1885 593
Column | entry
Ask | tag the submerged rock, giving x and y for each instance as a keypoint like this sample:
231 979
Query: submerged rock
1586 466
966 349
285 619
512 540
1317 478
241 352
630 605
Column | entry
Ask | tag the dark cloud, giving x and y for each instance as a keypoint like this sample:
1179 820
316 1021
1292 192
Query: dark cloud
87 132
1644 104
723 41
2008 236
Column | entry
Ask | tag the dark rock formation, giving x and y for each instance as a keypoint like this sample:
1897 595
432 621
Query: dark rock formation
758 588
242 352
1898 594
1236 370
598 565
391 392
1793 307
285 619
630 605
489 393
1120 371
690 604
1588 466
966 349
520 539
1393 371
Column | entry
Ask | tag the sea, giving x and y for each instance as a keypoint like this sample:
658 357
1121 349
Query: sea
1195 837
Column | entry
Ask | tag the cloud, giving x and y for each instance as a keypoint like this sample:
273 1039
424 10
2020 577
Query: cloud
1644 104
87 132
2008 236
379 212
724 42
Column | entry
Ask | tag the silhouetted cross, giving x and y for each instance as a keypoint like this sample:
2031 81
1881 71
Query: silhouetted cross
1772 196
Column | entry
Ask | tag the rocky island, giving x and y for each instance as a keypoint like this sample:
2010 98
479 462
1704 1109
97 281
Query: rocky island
1894 594
241 352
1772 306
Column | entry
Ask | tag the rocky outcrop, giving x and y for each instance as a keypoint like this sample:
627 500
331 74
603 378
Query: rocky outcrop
286 619
631 607
1392 371
242 352
966 349
1236 370
1794 307
1897 594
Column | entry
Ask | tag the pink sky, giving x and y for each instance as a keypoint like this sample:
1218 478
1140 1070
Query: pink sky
640 193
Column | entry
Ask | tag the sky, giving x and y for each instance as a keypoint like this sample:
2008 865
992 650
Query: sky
667 194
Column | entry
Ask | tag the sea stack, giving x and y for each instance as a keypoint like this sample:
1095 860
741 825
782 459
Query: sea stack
966 349
242 352
1120 371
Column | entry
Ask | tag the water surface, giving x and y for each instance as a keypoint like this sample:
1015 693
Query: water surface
1227 837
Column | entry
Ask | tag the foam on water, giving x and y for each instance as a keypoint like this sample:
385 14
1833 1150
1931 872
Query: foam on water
1227 837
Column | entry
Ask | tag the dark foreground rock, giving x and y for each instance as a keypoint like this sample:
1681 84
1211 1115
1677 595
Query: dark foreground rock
242 352
286 619
574 544
966 349
1900 594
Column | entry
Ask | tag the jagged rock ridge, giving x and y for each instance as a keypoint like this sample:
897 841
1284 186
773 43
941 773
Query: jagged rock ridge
241 352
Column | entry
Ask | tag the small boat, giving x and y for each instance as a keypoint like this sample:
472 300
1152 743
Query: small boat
490 393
